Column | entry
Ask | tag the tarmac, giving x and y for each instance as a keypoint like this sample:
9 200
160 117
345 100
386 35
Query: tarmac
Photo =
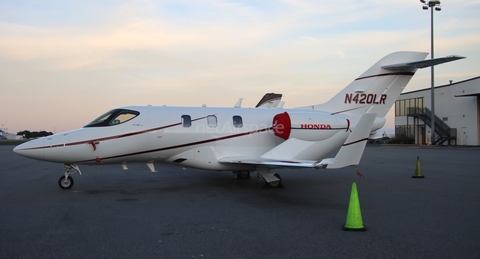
176 213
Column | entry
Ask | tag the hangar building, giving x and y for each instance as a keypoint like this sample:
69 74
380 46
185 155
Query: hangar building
457 110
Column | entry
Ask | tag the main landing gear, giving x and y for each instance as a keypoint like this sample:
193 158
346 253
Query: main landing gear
242 174
273 183
271 180
66 181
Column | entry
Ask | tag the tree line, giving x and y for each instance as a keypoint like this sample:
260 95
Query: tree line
33 134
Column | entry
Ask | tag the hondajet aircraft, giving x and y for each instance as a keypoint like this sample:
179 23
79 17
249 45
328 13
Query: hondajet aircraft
241 140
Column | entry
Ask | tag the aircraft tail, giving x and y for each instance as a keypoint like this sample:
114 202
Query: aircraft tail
377 89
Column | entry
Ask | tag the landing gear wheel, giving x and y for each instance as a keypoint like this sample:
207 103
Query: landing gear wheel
275 184
242 174
65 183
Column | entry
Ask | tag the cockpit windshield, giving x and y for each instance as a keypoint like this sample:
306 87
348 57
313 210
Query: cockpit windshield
113 117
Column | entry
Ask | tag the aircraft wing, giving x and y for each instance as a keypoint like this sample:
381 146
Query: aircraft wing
270 100
267 162
349 154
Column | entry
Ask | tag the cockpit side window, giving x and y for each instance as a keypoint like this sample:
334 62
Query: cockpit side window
123 117
113 117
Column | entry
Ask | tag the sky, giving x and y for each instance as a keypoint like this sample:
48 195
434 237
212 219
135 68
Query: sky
64 63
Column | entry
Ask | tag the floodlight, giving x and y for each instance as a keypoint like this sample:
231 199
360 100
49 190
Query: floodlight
426 5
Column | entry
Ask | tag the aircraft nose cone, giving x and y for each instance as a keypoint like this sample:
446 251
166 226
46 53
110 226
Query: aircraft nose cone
19 149
31 149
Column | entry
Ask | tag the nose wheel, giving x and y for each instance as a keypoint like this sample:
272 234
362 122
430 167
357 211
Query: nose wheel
65 182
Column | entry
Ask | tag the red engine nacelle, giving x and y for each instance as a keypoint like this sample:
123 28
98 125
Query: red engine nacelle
309 126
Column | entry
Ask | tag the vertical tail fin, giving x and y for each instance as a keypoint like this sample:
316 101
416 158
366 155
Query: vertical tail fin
376 90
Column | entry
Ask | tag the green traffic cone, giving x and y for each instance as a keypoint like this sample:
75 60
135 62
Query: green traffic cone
354 215
418 170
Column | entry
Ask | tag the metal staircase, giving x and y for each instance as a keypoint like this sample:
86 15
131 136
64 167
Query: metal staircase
443 132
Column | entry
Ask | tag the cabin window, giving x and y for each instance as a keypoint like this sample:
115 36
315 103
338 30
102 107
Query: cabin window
113 117
186 121
212 121
237 121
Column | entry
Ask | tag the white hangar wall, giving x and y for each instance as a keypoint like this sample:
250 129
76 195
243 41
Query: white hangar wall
456 106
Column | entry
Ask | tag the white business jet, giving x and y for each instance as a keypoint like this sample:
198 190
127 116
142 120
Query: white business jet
238 139
382 134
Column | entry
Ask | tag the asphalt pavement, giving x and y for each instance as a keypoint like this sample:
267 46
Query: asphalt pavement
176 213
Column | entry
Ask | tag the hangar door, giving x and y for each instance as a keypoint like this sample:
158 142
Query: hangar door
464 136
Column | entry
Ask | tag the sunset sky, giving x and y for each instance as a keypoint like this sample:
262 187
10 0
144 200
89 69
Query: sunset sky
63 63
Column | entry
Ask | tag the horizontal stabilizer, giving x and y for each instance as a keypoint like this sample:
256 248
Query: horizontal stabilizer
412 66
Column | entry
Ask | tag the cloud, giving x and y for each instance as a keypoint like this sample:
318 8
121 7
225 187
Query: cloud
117 53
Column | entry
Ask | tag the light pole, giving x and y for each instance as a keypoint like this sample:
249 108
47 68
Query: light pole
432 4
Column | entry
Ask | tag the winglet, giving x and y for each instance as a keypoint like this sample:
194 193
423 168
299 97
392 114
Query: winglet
268 100
352 150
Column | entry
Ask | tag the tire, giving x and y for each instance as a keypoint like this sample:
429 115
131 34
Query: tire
275 184
65 183
242 175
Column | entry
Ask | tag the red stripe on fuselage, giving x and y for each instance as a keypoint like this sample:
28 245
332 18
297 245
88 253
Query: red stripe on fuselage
112 137
183 145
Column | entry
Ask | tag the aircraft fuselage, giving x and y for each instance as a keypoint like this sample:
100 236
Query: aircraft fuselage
188 136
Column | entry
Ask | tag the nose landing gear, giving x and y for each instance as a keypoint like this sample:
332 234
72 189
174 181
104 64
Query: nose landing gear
66 181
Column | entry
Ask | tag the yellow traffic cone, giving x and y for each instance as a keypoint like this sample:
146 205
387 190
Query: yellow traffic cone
418 170
354 215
